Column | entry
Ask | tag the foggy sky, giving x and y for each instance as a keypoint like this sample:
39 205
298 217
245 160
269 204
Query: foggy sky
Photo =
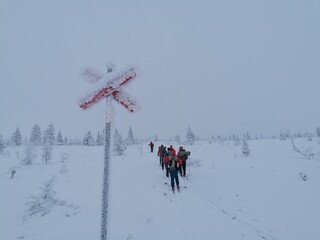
220 67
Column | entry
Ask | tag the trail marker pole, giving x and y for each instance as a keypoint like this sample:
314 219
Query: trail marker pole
106 170
111 88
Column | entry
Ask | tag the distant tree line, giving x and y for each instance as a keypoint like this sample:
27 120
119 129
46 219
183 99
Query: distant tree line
48 137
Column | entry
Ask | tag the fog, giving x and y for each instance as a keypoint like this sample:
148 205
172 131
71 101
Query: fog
220 67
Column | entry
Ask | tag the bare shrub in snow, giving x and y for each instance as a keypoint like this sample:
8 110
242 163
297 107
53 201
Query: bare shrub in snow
303 176
64 156
46 152
41 204
306 153
64 169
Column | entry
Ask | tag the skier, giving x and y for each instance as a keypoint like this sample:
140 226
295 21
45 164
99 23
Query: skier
182 159
161 152
174 167
172 150
151 146
166 162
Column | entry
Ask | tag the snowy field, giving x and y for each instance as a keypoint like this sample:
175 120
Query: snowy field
274 194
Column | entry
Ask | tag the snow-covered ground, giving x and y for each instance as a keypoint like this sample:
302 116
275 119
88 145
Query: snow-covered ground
226 196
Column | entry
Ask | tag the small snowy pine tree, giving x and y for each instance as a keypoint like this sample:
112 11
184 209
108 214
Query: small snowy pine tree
318 132
35 137
130 139
245 148
16 137
190 137
119 145
88 139
60 139
2 144
99 139
156 138
236 140
282 136
30 154
66 141
49 135
177 139
248 137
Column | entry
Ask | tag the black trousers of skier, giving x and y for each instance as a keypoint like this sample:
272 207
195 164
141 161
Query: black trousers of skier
174 178
166 165
182 169
161 162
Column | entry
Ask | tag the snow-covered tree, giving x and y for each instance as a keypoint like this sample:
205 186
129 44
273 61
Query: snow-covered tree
60 140
282 136
245 148
49 135
30 154
318 132
35 137
177 139
156 138
76 141
288 134
119 145
66 140
88 139
130 139
46 152
16 138
248 137
190 137
236 140
99 139
2 144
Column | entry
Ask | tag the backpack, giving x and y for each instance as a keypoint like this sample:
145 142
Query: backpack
183 155
173 162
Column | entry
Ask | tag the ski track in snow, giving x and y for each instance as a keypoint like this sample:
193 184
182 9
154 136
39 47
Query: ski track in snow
222 199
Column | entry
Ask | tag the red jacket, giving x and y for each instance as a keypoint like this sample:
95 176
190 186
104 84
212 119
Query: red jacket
173 152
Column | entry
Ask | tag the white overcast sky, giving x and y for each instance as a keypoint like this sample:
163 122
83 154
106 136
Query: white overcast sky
218 66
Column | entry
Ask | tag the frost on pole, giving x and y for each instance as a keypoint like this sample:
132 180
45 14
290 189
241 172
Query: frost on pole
108 86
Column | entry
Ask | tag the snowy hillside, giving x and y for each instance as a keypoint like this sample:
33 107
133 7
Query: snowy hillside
272 194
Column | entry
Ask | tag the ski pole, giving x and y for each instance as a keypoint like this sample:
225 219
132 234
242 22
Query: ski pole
189 166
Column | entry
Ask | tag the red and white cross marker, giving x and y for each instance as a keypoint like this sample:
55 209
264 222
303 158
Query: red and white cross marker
111 85
108 86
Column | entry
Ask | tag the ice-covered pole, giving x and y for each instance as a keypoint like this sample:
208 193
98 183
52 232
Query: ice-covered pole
106 169
109 87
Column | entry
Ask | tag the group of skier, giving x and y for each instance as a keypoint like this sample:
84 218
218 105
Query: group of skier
173 163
